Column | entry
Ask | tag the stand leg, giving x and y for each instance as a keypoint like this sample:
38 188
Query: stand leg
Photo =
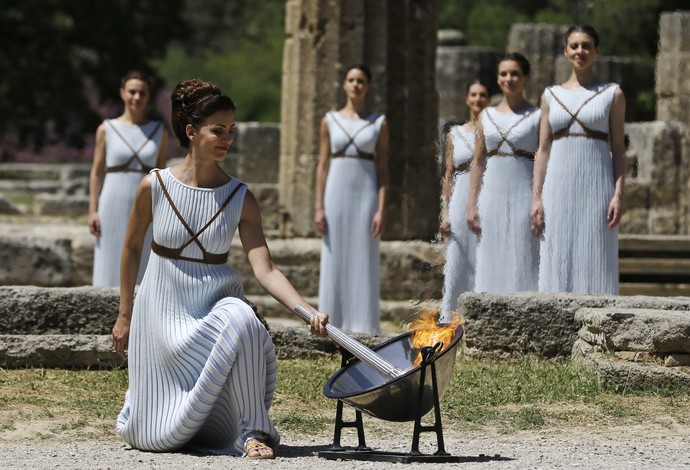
340 424
437 427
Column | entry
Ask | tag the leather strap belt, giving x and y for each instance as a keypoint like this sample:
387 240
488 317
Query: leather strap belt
125 168
171 253
592 134
463 167
516 153
362 155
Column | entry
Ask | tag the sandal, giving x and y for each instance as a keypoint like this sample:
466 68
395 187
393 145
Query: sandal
256 449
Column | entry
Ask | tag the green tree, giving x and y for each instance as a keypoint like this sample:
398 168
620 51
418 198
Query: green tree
62 59
239 46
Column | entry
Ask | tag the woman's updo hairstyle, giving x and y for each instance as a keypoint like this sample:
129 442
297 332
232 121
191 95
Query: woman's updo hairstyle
192 102
582 28
519 58
362 68
135 75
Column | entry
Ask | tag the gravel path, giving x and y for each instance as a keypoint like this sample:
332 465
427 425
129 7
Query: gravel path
618 448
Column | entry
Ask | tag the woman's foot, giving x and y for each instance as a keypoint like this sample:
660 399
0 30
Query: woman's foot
256 449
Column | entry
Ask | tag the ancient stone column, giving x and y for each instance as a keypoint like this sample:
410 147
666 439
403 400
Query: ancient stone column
673 67
541 44
397 39
456 66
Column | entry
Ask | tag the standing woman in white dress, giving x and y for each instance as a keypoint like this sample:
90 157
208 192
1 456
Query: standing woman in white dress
579 175
458 272
498 206
202 367
127 148
351 190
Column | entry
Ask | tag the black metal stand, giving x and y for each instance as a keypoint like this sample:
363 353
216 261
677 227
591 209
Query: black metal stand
361 452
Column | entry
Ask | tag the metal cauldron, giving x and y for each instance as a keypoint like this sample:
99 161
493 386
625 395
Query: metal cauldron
360 386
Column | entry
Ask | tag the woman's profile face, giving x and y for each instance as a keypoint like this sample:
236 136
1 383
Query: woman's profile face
135 94
580 49
356 84
511 79
214 136
477 98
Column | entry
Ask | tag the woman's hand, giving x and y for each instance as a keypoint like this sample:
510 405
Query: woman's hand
320 221
121 336
444 226
377 224
95 224
615 211
537 217
317 325
473 220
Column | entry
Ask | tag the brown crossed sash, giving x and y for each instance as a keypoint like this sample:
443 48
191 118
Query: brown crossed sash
135 153
463 167
172 253
360 154
565 132
516 152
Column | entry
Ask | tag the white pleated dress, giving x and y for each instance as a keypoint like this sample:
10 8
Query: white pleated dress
508 253
461 252
579 252
202 367
349 281
124 172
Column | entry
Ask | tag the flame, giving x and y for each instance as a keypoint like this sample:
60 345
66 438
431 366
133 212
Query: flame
427 332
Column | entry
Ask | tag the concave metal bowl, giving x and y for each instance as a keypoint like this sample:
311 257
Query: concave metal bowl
396 400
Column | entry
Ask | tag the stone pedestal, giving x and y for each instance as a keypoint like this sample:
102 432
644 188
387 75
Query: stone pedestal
397 40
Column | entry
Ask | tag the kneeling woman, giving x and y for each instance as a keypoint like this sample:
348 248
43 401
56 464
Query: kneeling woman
202 367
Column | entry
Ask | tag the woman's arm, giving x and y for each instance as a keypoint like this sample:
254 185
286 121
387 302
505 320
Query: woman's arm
378 223
476 176
139 221
446 183
265 270
620 159
541 162
163 151
321 174
96 178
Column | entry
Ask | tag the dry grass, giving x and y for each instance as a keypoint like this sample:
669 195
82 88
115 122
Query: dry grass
534 394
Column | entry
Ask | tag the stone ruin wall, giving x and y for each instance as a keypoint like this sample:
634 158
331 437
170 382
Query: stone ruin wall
657 196
278 160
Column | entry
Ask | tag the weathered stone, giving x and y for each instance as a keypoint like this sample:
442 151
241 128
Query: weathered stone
79 351
674 32
456 67
42 262
629 376
637 330
31 310
673 74
255 154
675 108
508 326
639 356
58 204
451 37
677 360
324 38
30 171
541 44
7 207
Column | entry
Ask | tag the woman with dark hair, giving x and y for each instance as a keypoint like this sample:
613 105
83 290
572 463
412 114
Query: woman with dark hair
579 175
351 190
202 367
458 272
501 186
127 148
